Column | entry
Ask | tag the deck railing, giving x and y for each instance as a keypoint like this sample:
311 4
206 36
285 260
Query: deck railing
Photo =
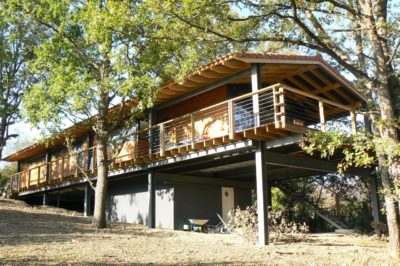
272 112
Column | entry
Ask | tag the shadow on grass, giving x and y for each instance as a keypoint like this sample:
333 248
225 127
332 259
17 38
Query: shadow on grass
24 227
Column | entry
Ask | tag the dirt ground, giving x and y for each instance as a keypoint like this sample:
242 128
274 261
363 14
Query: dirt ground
50 236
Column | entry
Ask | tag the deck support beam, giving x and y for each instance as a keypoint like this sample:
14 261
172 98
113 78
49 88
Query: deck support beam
152 199
45 198
262 194
87 204
374 199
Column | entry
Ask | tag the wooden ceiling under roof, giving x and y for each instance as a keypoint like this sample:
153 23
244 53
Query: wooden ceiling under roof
308 73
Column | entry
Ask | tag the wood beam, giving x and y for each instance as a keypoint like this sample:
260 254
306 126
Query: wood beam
255 86
191 84
203 180
322 116
199 79
309 163
235 64
329 83
294 73
221 69
210 74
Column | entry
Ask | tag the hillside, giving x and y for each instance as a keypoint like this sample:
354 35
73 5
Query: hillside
50 236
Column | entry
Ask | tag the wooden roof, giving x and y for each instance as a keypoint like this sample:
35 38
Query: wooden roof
309 73
312 71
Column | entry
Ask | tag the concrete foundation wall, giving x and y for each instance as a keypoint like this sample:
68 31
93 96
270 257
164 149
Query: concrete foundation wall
165 206
175 202
128 201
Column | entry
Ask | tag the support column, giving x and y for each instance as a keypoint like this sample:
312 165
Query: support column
151 222
87 204
45 198
262 194
374 199
255 86
58 199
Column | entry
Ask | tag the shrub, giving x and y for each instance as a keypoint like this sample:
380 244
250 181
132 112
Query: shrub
244 223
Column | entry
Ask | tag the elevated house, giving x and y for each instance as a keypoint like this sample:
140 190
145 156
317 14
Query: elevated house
231 127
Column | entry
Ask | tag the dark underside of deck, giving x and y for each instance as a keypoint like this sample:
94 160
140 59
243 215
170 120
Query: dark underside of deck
232 162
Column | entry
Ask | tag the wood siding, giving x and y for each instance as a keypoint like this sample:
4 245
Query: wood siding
193 104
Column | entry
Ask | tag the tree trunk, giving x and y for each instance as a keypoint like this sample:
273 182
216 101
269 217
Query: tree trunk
101 130
99 216
389 175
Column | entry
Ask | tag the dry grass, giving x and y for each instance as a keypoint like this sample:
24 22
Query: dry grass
37 236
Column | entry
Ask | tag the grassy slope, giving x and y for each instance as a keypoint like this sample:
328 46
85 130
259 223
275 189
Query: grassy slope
32 236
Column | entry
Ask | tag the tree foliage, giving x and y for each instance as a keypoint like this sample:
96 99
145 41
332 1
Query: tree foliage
100 65
17 40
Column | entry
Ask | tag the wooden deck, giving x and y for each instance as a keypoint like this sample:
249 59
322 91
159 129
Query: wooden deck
274 112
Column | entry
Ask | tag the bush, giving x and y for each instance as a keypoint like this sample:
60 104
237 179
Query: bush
245 224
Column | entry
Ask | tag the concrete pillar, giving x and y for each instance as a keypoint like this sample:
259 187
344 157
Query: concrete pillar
152 206
87 204
262 194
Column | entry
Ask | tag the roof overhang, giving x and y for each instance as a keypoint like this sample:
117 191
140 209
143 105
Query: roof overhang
233 63
221 68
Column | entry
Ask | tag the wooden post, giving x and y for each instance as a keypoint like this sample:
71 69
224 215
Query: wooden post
255 86
353 121
193 131
90 149
62 167
48 167
162 140
282 109
38 177
135 146
262 194
231 119
275 97
322 116
29 178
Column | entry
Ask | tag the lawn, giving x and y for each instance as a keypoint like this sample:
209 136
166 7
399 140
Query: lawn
50 236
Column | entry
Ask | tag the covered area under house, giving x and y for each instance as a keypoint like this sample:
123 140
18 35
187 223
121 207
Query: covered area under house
235 123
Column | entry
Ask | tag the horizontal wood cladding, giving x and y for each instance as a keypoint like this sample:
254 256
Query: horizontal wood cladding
193 104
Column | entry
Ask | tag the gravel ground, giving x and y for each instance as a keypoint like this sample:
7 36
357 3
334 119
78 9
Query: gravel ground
50 236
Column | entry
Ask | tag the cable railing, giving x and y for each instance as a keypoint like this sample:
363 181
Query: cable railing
273 111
